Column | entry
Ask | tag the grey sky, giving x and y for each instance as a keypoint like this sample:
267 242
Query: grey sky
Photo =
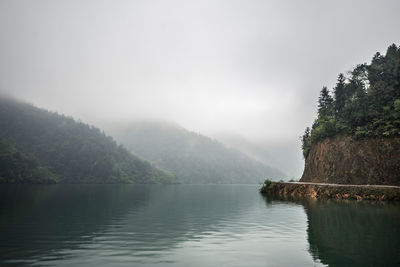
251 68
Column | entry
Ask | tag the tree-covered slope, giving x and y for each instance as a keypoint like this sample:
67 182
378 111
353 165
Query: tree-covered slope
190 157
17 167
75 152
366 103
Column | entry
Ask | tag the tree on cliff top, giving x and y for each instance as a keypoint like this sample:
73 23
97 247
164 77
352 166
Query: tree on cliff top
365 104
340 98
325 102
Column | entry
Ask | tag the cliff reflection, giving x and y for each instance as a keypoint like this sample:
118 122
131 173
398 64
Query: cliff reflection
351 233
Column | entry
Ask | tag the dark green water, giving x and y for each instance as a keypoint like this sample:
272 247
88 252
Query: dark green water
190 225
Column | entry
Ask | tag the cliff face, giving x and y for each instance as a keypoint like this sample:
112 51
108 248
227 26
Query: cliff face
346 160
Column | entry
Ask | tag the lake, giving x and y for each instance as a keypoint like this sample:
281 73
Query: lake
190 225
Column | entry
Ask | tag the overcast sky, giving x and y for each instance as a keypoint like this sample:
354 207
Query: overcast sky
249 68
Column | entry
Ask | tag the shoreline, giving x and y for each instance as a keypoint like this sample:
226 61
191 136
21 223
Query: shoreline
332 191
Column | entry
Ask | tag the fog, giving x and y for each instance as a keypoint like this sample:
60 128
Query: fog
251 69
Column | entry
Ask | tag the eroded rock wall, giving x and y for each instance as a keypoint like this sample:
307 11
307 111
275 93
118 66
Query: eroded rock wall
347 160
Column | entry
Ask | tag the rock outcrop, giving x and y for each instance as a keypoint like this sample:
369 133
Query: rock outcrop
347 160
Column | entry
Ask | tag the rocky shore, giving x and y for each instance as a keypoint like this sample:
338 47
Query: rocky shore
332 191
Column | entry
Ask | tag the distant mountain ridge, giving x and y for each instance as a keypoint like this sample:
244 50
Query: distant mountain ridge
72 151
190 157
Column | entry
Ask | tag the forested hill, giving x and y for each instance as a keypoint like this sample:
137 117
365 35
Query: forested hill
56 147
190 157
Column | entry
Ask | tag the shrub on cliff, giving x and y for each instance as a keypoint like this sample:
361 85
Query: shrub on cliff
267 183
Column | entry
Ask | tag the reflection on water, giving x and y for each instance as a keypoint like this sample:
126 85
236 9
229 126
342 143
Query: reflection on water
354 234
188 225
351 233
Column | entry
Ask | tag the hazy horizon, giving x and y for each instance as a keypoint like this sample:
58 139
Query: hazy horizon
250 69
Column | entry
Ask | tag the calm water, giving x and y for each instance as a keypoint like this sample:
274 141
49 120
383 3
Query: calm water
190 225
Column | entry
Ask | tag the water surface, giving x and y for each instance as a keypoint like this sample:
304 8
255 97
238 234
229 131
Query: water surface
190 225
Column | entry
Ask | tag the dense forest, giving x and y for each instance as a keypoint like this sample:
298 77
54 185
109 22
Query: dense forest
190 157
364 103
40 146
17 167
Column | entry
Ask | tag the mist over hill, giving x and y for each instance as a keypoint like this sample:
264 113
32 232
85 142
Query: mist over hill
189 156
38 146
283 155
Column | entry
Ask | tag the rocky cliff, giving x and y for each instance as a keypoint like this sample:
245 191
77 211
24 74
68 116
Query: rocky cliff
347 160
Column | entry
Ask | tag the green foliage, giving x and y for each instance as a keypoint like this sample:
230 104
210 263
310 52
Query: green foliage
267 183
365 104
325 103
306 142
339 93
17 167
75 152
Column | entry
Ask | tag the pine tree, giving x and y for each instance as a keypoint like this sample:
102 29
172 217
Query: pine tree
339 93
325 102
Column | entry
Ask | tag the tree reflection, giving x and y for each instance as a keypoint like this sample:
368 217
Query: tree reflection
351 233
